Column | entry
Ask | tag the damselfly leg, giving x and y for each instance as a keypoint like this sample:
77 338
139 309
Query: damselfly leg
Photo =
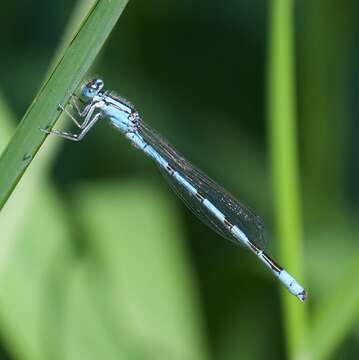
72 136
90 118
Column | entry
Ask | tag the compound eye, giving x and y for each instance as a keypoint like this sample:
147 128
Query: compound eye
97 84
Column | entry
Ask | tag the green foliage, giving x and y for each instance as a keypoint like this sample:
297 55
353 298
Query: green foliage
284 156
100 268
49 291
57 88
152 308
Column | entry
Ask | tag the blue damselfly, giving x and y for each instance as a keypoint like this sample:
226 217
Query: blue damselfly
211 203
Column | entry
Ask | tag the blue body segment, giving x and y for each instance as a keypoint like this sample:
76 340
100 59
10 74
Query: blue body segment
211 203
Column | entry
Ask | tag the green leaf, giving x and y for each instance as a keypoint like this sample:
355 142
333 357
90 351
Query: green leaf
34 260
87 334
141 275
336 287
34 267
35 254
337 312
61 83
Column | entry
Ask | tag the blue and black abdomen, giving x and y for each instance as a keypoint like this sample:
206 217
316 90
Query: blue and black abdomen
216 207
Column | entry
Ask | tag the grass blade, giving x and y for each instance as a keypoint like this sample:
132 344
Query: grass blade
30 314
282 122
62 81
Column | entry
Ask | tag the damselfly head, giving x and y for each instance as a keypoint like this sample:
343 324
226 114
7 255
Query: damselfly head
91 88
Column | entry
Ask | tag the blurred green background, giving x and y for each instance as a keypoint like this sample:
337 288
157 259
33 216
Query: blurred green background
98 259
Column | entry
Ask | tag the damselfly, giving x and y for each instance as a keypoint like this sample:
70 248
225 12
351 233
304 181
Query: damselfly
211 203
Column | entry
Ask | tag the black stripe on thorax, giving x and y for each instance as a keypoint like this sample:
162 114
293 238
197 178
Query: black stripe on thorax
199 197
170 169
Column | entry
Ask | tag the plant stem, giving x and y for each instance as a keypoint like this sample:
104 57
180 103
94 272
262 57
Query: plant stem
284 162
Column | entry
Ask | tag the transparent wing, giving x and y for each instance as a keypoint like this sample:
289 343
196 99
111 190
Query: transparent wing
234 211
